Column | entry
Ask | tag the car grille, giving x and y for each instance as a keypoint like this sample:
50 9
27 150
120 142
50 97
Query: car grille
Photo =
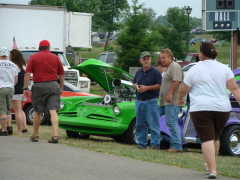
71 77
84 128
68 114
100 117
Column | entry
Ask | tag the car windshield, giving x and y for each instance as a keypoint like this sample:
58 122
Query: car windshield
69 87
186 68
27 54
102 57
62 58
188 58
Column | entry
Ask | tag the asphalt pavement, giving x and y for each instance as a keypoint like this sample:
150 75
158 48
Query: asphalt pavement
22 159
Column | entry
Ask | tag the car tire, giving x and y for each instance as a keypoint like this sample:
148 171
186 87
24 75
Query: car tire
72 134
84 136
118 138
230 141
45 117
129 136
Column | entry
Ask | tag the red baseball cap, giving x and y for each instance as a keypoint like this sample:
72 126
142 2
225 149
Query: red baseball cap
44 43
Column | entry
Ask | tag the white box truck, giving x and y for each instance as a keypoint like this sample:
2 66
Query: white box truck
29 24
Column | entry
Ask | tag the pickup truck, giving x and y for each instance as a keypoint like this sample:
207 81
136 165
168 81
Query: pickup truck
190 58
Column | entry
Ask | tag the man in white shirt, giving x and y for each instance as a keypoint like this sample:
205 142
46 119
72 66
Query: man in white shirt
8 78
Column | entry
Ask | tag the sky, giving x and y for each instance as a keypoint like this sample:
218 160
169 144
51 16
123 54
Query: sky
159 6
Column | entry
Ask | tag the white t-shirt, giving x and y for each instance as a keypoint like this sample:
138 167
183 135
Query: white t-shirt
208 81
8 71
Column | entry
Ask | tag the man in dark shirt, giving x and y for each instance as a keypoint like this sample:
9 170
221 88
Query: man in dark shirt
147 83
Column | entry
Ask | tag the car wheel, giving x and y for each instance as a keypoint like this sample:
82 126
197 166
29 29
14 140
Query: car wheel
45 117
72 134
230 141
129 136
84 136
118 138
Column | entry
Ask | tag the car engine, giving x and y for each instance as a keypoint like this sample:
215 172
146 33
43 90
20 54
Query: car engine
122 92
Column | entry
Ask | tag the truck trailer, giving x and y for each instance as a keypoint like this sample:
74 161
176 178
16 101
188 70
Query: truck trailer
27 25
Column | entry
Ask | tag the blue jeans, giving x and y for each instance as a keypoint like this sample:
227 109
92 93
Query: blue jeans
147 115
171 115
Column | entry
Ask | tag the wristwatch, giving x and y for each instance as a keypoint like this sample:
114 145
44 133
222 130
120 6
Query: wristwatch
25 88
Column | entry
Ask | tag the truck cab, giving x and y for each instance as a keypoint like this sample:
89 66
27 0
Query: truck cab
71 75
190 58
107 57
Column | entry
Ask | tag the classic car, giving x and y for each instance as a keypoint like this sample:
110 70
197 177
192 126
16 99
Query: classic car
113 115
230 137
68 90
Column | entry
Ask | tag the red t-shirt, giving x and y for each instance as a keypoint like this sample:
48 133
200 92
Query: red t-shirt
45 66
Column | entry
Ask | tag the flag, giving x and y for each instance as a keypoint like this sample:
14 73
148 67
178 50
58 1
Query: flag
14 43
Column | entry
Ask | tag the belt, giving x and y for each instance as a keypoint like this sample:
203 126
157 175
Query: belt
145 99
46 81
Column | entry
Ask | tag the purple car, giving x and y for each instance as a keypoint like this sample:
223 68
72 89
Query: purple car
229 140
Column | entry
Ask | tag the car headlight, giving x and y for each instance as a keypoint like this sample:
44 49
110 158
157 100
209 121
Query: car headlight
84 84
61 104
181 114
116 110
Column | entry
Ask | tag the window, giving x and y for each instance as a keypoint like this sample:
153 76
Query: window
102 57
110 58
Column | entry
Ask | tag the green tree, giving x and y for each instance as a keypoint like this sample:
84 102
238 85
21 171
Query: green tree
195 22
161 20
84 6
176 35
108 14
134 38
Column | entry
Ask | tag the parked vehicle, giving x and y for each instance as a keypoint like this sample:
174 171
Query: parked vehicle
31 28
114 114
187 67
195 40
69 90
222 43
96 38
99 43
193 31
70 53
198 31
190 58
213 40
114 37
101 35
107 57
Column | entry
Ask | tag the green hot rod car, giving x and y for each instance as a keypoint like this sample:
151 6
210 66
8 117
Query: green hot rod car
110 115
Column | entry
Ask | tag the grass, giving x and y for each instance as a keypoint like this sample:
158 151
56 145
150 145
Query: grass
93 54
192 159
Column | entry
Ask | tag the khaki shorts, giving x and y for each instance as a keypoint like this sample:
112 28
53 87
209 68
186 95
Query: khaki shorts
18 97
46 95
209 124
6 95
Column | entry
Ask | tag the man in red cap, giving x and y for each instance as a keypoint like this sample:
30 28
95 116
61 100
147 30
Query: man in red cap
47 70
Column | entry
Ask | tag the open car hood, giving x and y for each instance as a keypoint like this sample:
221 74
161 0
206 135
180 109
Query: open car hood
104 74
